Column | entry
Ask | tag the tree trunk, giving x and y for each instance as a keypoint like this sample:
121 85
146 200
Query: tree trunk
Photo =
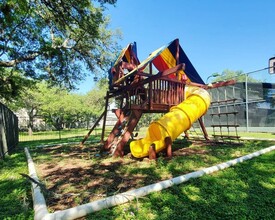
31 115
29 131
87 122
30 126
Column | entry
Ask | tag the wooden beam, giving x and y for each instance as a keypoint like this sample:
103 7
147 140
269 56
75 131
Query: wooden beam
220 84
104 119
91 130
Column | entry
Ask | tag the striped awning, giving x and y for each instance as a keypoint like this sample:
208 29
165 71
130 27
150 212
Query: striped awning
172 55
164 58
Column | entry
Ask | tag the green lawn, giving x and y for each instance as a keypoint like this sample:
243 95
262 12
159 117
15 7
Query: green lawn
46 135
80 133
242 134
245 191
15 192
60 135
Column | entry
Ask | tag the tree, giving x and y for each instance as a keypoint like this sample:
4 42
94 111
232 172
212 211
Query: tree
11 83
56 40
29 102
94 101
35 99
230 74
56 106
147 119
60 108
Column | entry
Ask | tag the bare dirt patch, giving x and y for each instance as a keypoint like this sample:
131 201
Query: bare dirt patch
77 175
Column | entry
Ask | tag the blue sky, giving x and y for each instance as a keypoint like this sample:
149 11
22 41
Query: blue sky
215 34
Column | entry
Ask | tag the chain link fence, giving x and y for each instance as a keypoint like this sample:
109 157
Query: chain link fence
254 104
45 131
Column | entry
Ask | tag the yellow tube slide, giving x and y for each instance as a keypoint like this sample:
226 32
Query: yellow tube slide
175 122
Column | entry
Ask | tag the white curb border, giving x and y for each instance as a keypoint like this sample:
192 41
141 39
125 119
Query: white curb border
39 203
40 207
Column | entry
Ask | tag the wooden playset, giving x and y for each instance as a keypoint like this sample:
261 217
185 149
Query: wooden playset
165 82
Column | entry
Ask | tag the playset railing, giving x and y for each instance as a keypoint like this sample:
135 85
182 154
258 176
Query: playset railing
154 93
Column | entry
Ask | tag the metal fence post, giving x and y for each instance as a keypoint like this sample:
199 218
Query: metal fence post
246 103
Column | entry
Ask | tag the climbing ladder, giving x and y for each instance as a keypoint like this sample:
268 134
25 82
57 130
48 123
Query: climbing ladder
122 131
224 115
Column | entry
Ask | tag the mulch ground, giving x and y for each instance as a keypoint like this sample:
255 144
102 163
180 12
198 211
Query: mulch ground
72 177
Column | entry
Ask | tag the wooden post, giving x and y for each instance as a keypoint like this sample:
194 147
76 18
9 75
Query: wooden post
178 52
105 116
203 129
89 133
152 152
168 144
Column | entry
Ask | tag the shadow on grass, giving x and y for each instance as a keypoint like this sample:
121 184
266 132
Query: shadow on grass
241 192
245 191
76 176
15 191
73 185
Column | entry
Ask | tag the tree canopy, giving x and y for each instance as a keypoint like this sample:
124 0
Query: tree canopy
60 108
55 40
230 74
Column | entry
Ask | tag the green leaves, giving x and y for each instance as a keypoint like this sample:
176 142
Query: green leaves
55 41
59 108
12 84
230 74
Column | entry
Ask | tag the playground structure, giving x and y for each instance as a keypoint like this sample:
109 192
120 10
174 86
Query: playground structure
176 89
179 119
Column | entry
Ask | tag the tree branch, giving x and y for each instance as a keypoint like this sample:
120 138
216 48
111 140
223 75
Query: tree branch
65 44
12 63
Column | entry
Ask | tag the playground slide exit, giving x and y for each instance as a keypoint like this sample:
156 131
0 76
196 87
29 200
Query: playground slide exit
179 119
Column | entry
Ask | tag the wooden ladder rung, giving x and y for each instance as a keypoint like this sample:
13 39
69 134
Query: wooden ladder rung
226 136
225 101
225 113
227 126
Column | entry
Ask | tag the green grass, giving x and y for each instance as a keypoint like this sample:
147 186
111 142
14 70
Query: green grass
36 143
242 134
45 135
15 191
80 133
245 191
257 135
59 135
